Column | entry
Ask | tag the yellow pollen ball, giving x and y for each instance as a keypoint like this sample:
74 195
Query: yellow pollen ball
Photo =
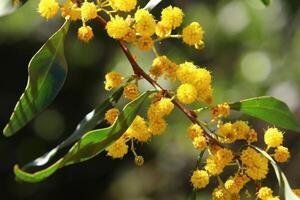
221 110
186 93
273 137
226 132
144 23
145 43
88 11
199 179
157 126
139 129
139 160
48 8
199 142
172 16
281 154
123 5
111 115
264 193
117 149
117 27
220 193
194 130
71 9
162 30
113 80
185 71
131 91
192 34
85 33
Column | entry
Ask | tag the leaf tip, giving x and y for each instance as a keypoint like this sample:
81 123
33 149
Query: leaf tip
6 131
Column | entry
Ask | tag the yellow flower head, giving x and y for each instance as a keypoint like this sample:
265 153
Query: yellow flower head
195 130
192 34
117 27
236 183
264 193
123 5
157 126
165 105
113 80
282 154
111 115
221 110
117 149
139 160
162 30
186 93
71 9
130 36
159 66
144 23
241 129
220 193
200 179
226 132
172 17
139 129
145 43
85 33
224 156
88 11
199 142
131 91
185 72
273 137
48 8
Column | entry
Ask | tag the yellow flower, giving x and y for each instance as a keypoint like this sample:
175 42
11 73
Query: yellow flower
224 156
123 5
186 93
117 27
199 142
185 72
48 8
162 30
117 149
282 154
130 36
194 130
241 129
113 80
236 183
264 193
144 23
131 91
88 11
145 43
200 179
71 9
139 160
220 193
216 162
172 17
159 65
220 110
111 115
157 126
192 34
273 137
165 106
139 129
226 132
85 33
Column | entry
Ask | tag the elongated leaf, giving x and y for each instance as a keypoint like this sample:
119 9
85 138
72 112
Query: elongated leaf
285 191
152 4
90 121
47 72
90 145
9 6
266 2
269 109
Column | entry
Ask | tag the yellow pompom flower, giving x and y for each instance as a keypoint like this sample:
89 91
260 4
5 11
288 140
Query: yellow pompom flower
85 33
273 137
71 9
226 132
194 130
144 23
159 65
172 16
199 142
186 93
113 80
139 160
130 36
220 193
162 30
185 71
241 129
281 154
236 183
117 149
111 115
123 5
220 110
145 43
199 179
88 11
165 105
224 156
139 129
131 91
264 193
216 162
157 126
192 34
48 8
117 27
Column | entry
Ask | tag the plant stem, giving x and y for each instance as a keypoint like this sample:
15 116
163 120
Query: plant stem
138 71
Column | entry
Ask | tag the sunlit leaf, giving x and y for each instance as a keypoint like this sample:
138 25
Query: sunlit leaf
90 145
47 71
9 6
285 191
89 122
269 109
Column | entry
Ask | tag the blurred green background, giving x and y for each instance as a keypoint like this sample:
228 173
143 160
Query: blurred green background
250 49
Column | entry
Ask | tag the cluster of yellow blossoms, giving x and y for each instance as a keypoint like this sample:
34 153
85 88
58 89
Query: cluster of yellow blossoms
137 26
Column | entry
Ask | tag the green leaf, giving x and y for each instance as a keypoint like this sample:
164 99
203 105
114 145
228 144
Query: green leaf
90 121
285 191
47 71
269 109
90 145
9 6
266 2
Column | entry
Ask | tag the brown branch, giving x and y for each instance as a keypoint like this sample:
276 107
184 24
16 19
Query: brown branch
138 71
